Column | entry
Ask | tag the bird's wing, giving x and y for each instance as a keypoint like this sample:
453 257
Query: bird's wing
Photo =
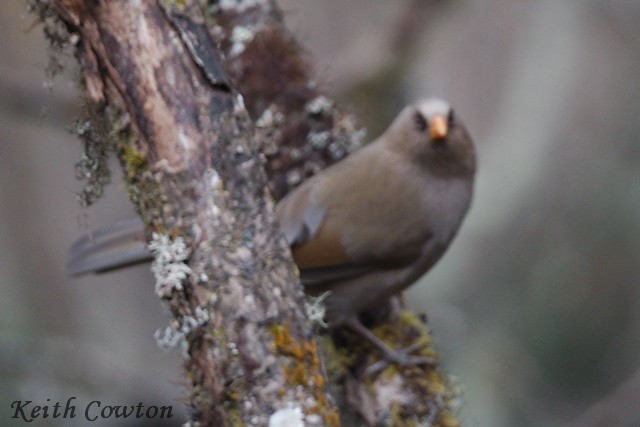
315 244
111 247
314 240
322 233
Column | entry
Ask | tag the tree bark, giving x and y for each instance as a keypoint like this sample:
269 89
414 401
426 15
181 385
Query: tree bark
301 128
273 72
191 160
195 166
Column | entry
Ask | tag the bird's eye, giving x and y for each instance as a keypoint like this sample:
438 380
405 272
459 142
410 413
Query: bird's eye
451 116
421 122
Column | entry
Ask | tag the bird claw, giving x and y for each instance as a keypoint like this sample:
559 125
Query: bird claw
401 358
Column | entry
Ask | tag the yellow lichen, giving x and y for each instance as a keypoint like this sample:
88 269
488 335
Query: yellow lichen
448 420
435 383
304 369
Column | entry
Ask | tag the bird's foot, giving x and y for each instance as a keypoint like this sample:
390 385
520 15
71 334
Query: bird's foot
401 357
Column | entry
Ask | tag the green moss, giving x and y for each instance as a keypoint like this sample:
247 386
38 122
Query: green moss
134 162
397 417
423 380
440 397
336 360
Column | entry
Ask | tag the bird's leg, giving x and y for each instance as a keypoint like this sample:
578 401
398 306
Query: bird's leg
400 357
396 305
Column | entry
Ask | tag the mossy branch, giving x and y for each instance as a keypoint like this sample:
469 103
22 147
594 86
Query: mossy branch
191 156
304 131
191 162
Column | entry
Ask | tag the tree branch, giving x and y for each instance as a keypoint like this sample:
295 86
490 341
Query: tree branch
302 130
275 75
191 161
189 151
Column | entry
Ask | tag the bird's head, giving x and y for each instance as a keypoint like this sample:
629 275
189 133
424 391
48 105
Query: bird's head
430 132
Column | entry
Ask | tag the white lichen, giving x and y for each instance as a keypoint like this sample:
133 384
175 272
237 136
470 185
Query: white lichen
169 266
356 139
238 5
320 105
319 140
240 36
337 150
294 177
270 117
169 339
316 310
82 127
349 131
216 184
233 348
291 416
174 335
313 420
214 180
188 324
266 119
391 390
239 106
202 315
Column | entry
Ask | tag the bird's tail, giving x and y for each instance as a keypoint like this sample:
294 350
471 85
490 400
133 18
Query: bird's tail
110 248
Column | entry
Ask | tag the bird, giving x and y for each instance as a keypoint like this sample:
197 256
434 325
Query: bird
363 229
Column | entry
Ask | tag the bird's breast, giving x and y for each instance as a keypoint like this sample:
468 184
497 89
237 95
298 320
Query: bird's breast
447 202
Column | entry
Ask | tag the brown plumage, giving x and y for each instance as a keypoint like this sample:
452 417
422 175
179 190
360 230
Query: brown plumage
371 225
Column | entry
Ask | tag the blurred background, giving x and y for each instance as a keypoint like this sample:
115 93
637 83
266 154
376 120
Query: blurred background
534 307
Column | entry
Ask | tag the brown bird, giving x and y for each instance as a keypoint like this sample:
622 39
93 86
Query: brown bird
363 229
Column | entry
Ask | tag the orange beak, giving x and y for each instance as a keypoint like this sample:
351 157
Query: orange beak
438 128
